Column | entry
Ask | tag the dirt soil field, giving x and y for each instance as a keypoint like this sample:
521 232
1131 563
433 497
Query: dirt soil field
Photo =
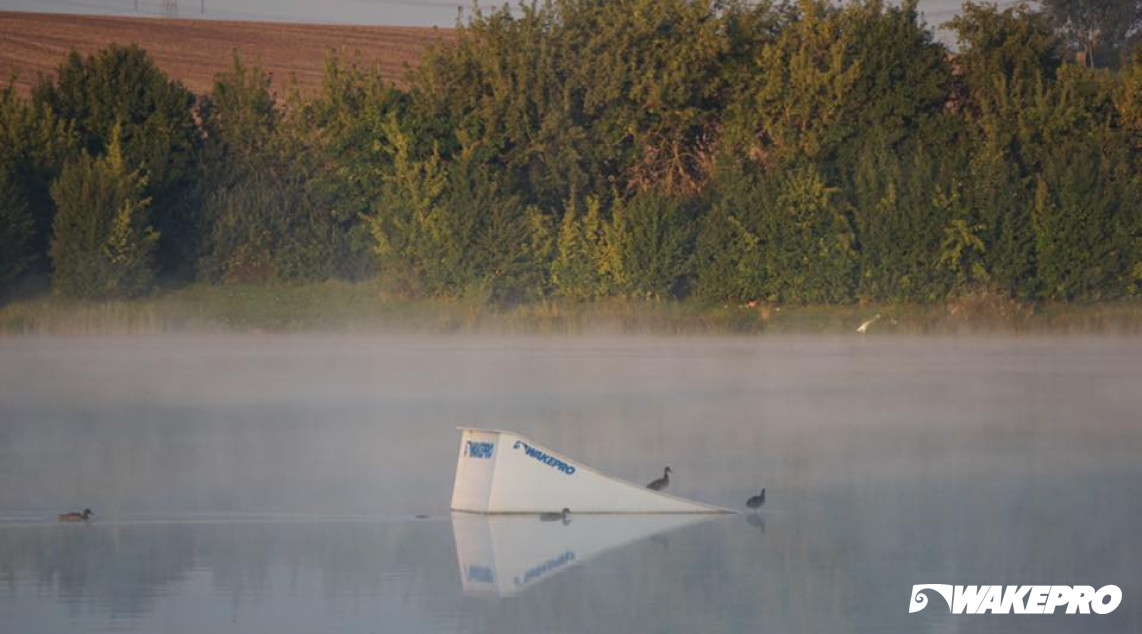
192 51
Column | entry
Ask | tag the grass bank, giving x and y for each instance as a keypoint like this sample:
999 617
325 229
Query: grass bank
362 307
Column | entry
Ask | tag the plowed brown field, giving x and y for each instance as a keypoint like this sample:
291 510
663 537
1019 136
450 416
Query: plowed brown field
192 51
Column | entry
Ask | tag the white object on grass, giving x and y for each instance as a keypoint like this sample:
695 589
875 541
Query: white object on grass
863 328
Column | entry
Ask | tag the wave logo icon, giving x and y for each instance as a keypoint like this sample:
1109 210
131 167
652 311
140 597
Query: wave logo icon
1018 599
920 600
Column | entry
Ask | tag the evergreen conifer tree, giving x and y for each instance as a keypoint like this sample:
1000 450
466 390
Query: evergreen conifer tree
16 232
102 241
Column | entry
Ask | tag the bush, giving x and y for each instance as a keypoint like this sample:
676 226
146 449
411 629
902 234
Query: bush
728 260
266 227
579 270
807 241
649 243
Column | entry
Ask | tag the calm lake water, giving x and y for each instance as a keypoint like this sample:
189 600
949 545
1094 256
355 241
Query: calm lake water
274 483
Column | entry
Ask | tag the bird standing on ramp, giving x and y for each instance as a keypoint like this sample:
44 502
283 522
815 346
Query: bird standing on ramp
756 501
662 482
76 517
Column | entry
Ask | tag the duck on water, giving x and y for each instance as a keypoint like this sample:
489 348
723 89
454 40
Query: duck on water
76 517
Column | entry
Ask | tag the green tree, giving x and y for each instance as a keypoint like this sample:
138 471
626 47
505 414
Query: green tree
579 270
346 126
807 241
727 259
1084 201
1098 29
962 250
891 47
34 145
267 227
1009 62
102 242
805 76
480 241
240 117
413 190
121 88
578 95
649 243
16 232
273 212
802 152
1002 202
1127 98
1004 56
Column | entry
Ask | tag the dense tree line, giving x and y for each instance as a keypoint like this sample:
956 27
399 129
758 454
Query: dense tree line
717 150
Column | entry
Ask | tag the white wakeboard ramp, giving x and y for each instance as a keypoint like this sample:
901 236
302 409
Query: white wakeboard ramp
502 472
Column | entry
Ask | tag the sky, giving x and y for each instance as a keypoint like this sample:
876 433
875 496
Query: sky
380 12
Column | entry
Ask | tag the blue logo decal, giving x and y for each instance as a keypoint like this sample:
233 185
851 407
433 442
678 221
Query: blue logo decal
481 574
550 461
545 568
479 449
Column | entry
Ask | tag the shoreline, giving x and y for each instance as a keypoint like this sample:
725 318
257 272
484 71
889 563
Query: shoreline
363 308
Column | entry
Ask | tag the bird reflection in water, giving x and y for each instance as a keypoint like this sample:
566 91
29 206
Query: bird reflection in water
557 517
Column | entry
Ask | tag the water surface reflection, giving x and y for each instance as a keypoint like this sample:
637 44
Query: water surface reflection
270 484
504 555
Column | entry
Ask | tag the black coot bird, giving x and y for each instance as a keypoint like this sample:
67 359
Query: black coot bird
76 517
662 482
756 501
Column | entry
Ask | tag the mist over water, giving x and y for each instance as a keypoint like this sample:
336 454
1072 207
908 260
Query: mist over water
270 483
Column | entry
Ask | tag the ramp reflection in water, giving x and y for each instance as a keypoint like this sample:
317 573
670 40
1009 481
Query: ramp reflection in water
504 555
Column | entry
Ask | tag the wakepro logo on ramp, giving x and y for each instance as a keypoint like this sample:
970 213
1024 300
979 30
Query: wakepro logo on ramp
1019 599
541 456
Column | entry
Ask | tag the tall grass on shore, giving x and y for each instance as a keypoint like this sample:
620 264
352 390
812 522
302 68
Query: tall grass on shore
362 307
